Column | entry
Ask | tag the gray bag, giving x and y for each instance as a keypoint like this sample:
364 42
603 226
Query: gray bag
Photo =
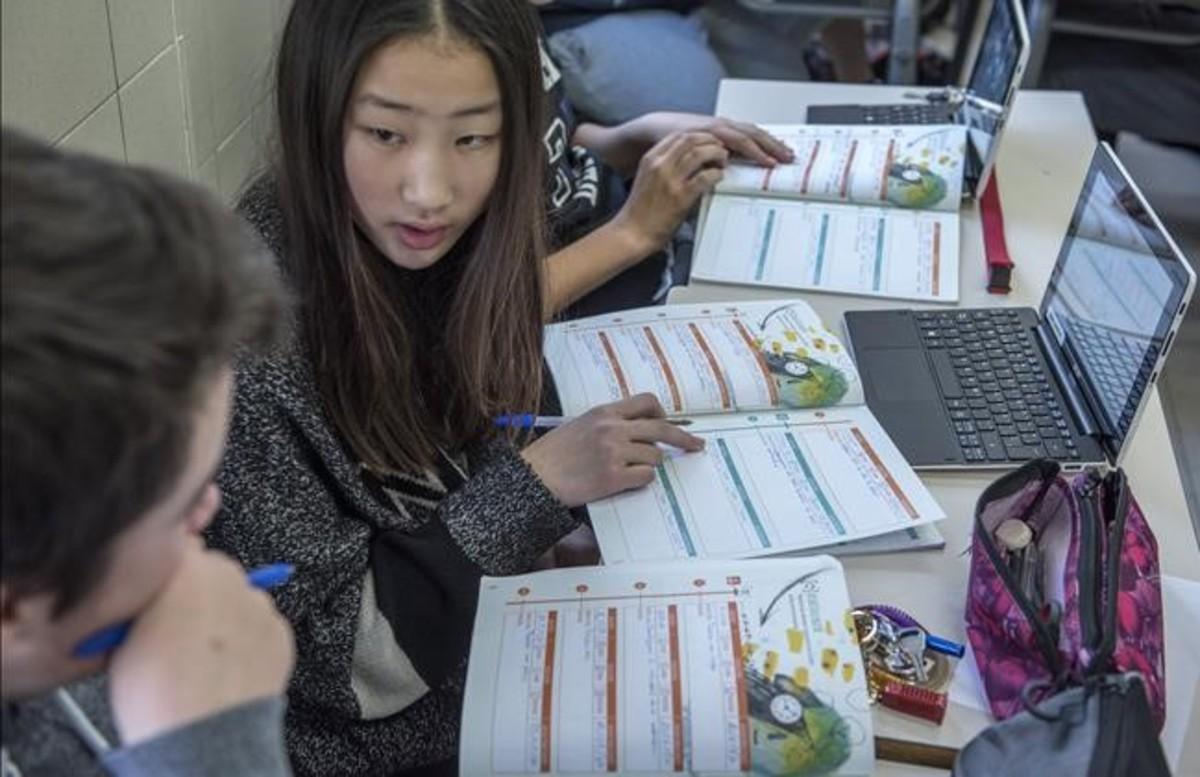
1100 729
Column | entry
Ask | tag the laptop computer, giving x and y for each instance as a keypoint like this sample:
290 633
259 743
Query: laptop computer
1000 386
981 101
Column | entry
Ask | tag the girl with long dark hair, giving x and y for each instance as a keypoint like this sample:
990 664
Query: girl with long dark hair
407 209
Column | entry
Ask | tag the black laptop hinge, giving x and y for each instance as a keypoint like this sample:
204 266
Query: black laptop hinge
1066 381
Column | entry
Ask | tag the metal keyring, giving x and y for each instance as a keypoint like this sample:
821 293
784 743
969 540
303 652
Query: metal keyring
866 628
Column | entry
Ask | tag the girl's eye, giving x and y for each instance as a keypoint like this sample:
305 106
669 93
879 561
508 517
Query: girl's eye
475 141
386 137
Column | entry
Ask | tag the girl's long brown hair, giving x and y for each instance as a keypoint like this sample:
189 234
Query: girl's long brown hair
409 361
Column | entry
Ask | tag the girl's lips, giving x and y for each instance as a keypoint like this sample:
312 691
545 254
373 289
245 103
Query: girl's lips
418 238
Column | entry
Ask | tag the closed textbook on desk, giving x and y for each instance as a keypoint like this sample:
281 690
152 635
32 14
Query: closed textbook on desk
862 210
710 667
794 459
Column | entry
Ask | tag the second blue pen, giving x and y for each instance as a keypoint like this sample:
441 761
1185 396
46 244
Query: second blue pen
109 639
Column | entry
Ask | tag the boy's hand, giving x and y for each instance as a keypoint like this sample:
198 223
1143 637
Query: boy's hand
209 642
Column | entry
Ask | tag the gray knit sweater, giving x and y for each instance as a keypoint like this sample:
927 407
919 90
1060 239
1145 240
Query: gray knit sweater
358 702
39 738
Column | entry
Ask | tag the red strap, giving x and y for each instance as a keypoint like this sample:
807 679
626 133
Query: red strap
999 264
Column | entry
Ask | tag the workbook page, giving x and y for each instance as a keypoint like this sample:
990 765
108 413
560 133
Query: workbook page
710 668
705 358
765 484
916 167
883 252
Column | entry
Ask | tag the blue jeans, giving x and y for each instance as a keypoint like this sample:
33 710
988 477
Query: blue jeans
622 65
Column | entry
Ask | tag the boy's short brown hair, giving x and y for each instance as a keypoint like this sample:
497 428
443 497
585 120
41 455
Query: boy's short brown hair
125 291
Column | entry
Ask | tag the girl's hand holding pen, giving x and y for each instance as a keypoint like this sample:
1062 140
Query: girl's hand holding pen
609 449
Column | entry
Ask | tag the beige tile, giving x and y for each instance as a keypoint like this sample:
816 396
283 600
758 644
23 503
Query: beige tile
262 125
282 8
140 30
233 104
99 133
228 47
237 161
56 63
190 16
196 23
198 94
242 47
206 174
152 114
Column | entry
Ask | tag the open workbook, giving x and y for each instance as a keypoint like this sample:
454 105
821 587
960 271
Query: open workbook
794 459
716 667
862 210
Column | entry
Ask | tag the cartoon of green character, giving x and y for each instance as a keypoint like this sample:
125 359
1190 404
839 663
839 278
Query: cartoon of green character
794 734
805 382
913 186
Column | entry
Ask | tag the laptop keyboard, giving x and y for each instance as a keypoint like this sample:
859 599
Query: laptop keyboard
916 113
1119 365
1000 400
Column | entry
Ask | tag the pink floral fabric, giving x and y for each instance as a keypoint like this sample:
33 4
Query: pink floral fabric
1003 639
1139 645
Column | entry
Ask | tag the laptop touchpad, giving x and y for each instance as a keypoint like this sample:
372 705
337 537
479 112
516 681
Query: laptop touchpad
899 375
903 394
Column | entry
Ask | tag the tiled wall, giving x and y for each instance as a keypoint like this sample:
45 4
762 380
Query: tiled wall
178 84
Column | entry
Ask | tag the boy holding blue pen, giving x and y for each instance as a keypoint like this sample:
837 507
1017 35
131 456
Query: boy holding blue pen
125 297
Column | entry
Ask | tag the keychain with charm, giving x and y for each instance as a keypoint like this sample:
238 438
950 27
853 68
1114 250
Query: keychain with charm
902 674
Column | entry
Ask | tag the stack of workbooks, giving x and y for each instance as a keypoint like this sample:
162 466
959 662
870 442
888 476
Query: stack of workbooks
719 663
865 210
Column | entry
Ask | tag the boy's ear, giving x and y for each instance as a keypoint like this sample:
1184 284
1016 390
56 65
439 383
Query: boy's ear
19 612
9 622
12 606
8 604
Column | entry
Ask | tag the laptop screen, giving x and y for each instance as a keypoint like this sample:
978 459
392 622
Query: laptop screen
998 56
1114 293
1003 50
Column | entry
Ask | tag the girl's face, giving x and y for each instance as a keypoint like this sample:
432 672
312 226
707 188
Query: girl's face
422 145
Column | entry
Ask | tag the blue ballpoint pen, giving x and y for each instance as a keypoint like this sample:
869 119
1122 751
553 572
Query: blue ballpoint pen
945 646
532 421
529 421
109 639
936 644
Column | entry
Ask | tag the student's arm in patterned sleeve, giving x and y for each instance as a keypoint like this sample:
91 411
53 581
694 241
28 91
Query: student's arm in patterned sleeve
671 177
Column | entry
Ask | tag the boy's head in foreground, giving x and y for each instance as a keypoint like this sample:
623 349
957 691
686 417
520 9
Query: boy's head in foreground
125 296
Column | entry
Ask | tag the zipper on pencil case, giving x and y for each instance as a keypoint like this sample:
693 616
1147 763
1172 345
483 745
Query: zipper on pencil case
1047 473
1088 570
1116 493
1043 638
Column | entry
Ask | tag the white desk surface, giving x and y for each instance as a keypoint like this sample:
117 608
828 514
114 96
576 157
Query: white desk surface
1043 156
